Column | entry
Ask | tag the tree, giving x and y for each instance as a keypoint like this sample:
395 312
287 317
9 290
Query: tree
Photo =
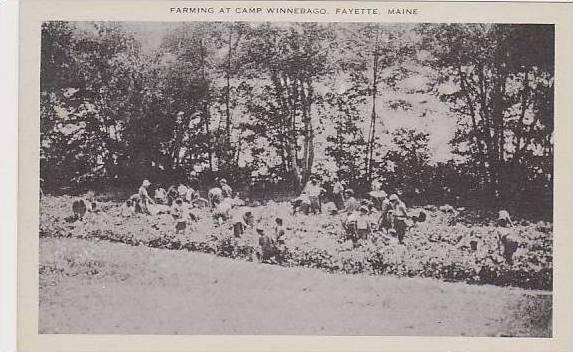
276 102
408 168
372 58
87 92
291 62
347 140
188 51
502 92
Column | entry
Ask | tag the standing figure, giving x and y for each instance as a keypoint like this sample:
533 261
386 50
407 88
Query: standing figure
349 224
267 247
144 199
507 241
357 225
314 190
385 220
338 194
280 238
363 227
398 216
177 214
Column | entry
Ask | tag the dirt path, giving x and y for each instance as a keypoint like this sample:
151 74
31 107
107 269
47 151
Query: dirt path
105 288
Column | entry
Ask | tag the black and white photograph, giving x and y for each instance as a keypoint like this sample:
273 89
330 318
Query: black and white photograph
296 178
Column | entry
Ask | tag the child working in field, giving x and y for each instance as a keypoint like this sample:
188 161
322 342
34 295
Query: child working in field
240 221
363 227
357 225
222 211
398 216
177 214
128 208
507 240
314 191
267 246
338 194
145 200
280 235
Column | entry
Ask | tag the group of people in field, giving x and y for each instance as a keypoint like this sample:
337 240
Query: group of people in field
389 211
225 205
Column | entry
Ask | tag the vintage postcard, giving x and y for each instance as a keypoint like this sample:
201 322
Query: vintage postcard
295 175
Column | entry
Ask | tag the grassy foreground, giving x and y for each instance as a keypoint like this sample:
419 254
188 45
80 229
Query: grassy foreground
97 287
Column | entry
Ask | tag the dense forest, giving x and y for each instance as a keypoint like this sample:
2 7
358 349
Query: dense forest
441 113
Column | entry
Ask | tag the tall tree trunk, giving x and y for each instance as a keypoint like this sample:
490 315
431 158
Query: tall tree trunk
178 142
484 109
496 155
227 97
206 114
306 94
293 136
285 99
519 149
372 128
295 171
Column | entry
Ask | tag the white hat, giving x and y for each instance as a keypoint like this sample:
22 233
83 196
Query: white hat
394 197
146 183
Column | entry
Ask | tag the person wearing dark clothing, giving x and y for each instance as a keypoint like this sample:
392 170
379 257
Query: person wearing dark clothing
508 242
267 246
338 194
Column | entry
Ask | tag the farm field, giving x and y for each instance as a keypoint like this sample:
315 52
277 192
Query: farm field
115 274
438 248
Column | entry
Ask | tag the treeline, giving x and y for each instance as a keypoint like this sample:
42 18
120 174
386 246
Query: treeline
266 105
